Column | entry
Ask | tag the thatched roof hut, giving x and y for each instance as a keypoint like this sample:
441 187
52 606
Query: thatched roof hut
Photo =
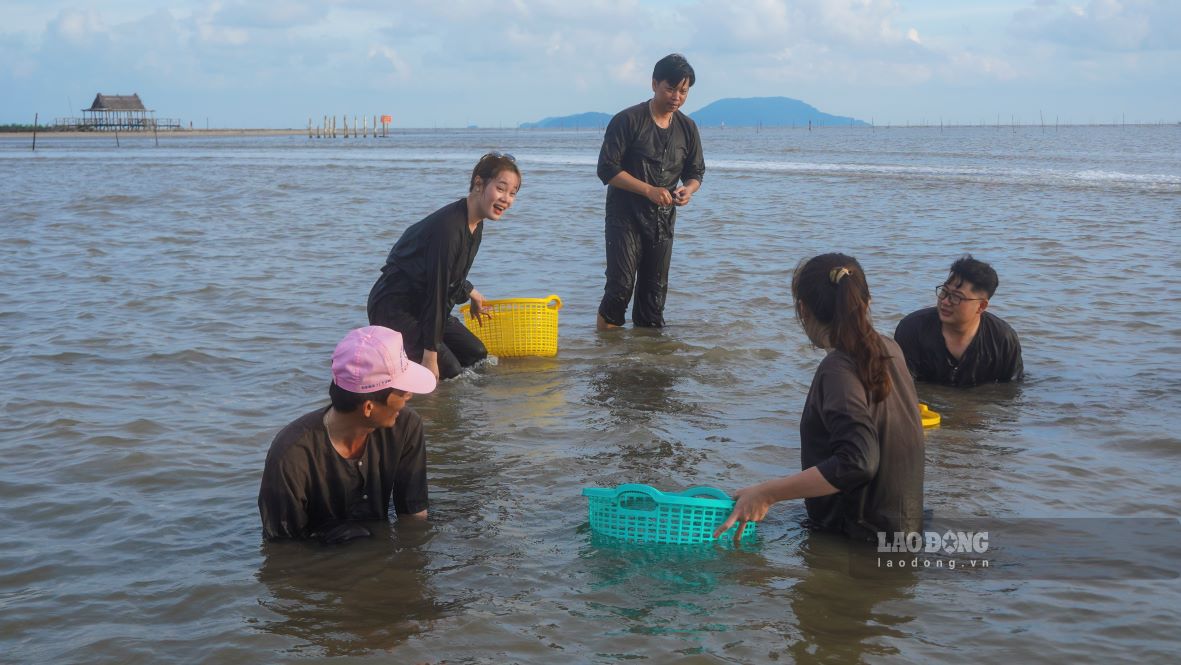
116 103
115 112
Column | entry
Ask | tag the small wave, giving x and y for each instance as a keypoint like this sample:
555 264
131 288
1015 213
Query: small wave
1095 175
981 174
575 160
1157 447
189 356
68 357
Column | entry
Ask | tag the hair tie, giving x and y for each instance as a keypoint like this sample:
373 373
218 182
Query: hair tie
837 274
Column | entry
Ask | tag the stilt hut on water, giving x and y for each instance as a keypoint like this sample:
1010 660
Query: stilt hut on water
111 112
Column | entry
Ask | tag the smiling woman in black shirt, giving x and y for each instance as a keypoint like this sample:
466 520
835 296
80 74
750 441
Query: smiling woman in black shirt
861 440
425 274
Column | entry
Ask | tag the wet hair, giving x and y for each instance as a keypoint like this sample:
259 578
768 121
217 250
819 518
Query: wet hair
674 68
979 273
346 401
834 290
490 166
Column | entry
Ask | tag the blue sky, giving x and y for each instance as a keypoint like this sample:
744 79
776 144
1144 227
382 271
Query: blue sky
450 63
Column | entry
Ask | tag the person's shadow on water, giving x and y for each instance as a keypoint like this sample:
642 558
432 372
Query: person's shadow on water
369 595
842 603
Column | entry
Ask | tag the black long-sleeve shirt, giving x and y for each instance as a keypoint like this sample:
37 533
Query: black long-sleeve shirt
993 355
871 452
660 157
307 487
426 271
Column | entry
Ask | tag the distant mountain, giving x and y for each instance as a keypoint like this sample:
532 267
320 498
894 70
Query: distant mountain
767 112
588 120
732 112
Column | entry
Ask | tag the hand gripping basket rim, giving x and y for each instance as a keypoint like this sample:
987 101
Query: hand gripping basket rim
518 326
686 517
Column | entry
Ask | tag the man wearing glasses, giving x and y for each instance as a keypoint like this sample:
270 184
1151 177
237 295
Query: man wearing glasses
956 342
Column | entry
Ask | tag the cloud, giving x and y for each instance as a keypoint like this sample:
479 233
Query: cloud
392 64
773 26
462 61
77 27
16 58
628 72
981 66
274 14
1103 25
786 45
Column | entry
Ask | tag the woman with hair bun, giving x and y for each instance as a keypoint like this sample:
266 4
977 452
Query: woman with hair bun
425 274
861 439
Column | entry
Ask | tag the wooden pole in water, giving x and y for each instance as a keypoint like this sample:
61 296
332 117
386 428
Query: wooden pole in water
35 116
116 136
155 135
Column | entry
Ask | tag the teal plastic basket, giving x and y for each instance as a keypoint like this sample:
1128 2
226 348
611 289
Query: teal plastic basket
643 514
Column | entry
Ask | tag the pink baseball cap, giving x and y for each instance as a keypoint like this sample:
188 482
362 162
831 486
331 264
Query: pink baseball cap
372 358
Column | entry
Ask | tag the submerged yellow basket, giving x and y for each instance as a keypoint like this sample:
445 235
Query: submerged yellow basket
518 326
930 418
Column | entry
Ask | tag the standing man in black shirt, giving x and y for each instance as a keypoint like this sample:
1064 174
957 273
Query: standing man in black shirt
958 343
425 274
338 466
647 149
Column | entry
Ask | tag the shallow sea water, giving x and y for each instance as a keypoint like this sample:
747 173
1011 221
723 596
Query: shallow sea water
165 310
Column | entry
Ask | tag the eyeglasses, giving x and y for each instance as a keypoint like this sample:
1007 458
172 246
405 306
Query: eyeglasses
499 155
942 293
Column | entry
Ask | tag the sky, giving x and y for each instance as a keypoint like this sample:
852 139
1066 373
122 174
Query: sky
498 63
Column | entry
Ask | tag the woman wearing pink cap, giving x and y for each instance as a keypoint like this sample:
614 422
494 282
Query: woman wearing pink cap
425 274
344 464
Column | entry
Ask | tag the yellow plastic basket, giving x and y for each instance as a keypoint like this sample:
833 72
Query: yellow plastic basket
518 326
